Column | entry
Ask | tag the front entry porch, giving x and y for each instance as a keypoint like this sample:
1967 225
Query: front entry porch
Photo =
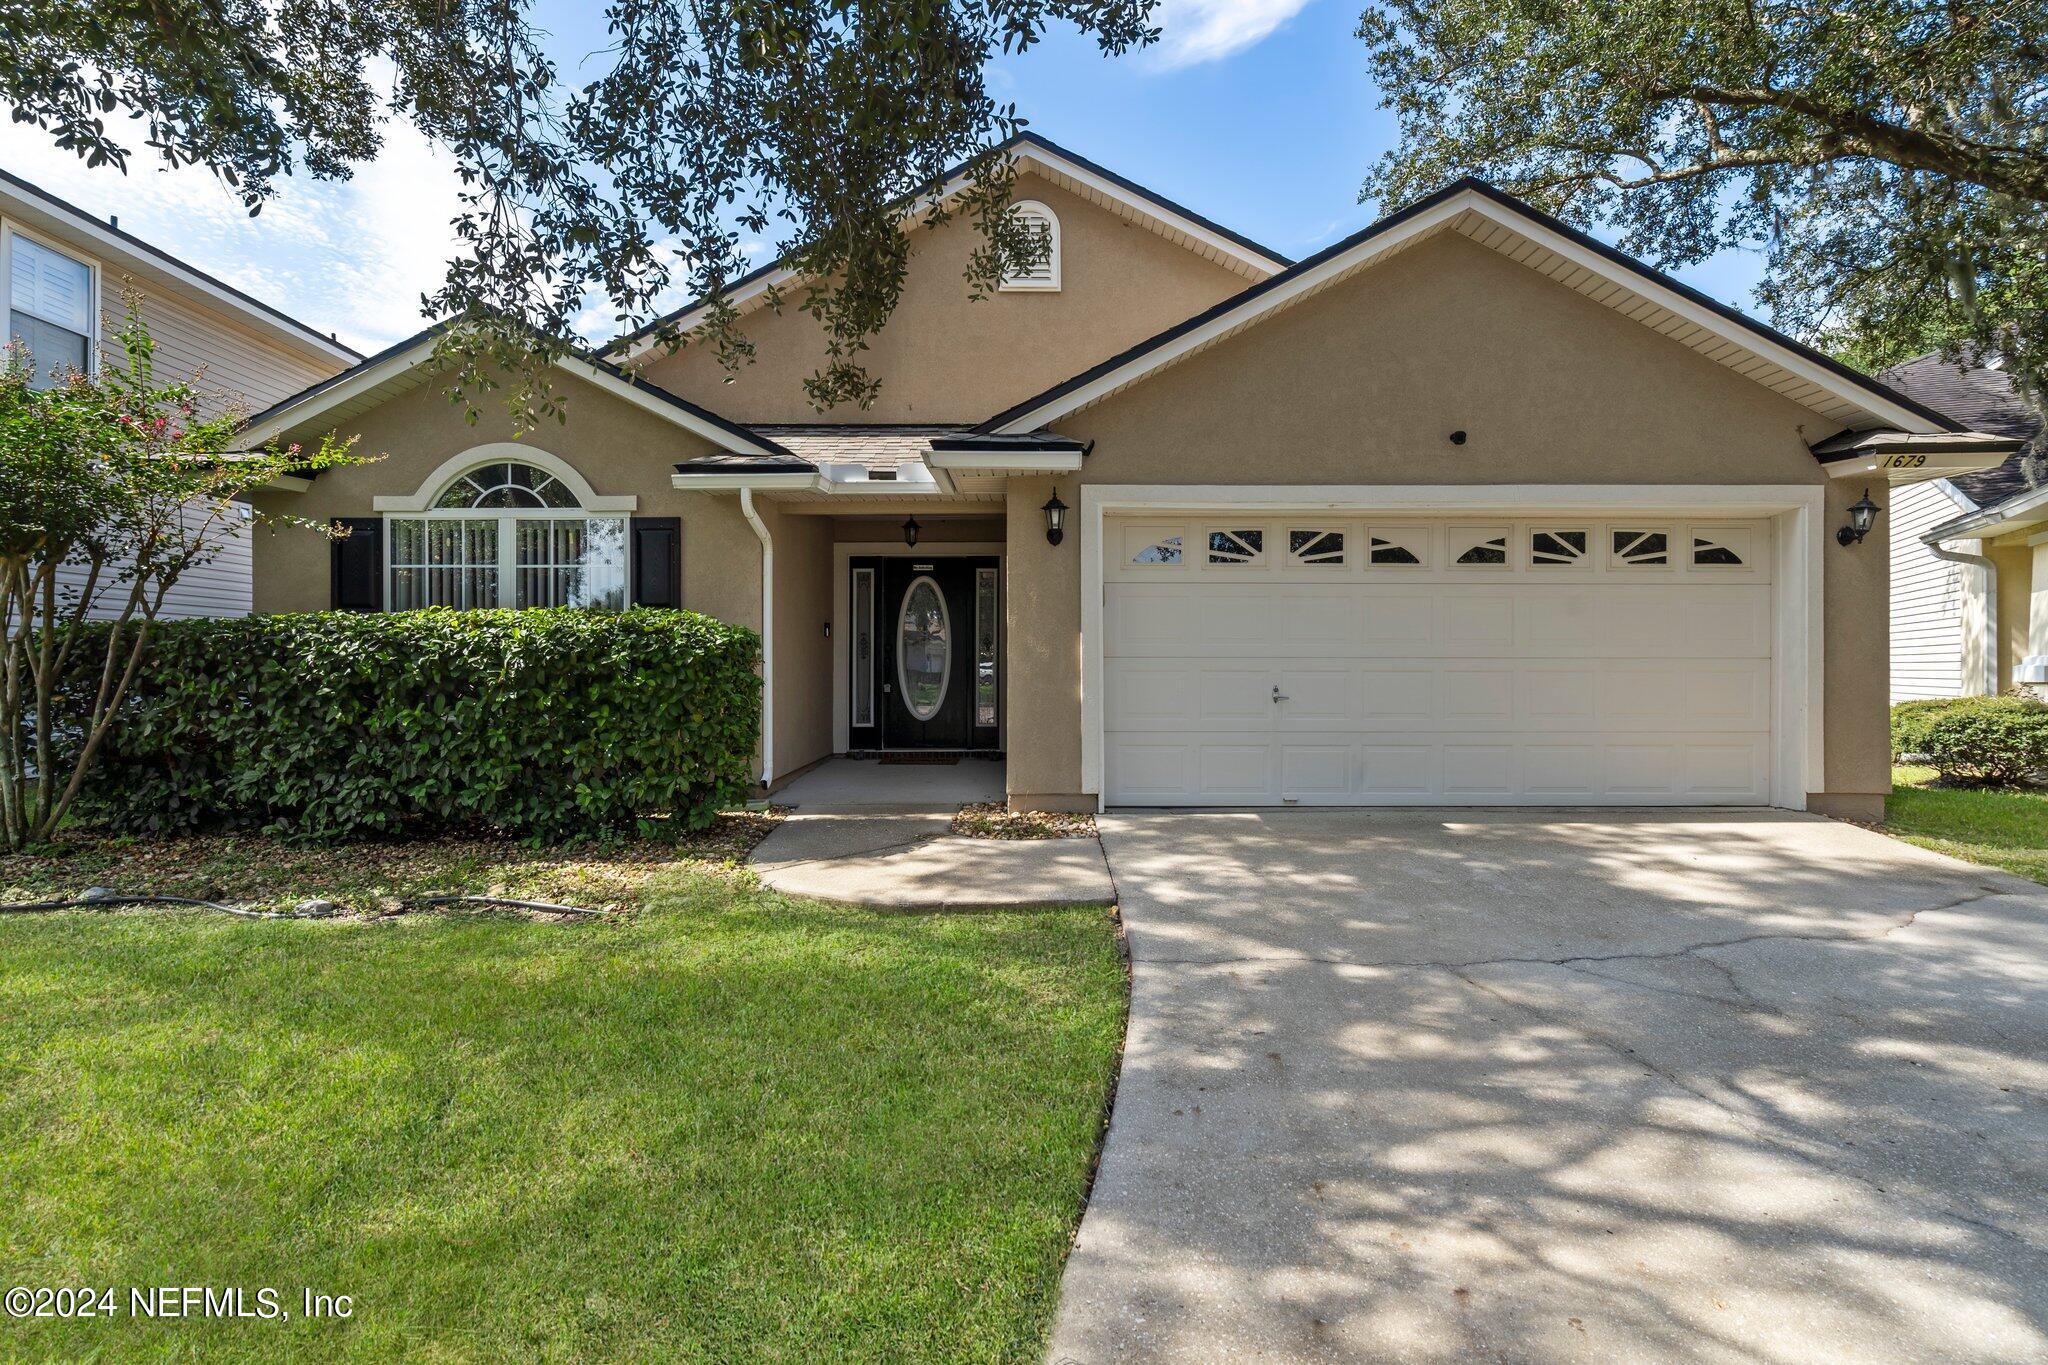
842 784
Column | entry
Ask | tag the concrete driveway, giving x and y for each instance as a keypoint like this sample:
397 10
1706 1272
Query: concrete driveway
1525 1086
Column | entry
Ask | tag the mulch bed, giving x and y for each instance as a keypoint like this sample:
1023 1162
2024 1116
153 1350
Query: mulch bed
994 820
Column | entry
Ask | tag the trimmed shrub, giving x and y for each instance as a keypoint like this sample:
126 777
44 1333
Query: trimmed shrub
1910 720
1979 741
550 724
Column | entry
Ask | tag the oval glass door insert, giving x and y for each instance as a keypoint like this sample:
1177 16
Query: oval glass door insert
924 648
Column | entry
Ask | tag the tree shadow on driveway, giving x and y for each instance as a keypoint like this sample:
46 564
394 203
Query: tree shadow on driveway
1534 1084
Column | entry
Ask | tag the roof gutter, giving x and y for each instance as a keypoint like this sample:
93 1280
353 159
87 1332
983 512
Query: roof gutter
1992 520
767 636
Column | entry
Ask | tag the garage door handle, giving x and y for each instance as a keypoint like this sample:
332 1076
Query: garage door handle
1278 695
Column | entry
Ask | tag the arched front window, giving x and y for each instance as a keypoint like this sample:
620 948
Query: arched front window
507 534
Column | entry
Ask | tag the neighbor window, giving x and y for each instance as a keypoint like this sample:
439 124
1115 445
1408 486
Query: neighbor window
49 308
507 534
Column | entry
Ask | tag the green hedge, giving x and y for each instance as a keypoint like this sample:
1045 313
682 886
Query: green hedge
549 724
1981 741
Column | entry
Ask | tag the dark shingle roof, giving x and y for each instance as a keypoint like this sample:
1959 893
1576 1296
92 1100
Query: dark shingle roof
1982 399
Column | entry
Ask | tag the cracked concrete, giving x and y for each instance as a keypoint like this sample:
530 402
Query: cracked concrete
910 860
1693 1085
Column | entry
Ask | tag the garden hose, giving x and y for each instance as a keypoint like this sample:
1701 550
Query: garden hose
100 897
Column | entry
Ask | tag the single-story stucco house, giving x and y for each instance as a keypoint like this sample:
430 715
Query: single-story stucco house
1466 508
1969 577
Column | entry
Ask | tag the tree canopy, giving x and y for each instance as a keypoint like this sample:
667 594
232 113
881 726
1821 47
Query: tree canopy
822 122
1890 156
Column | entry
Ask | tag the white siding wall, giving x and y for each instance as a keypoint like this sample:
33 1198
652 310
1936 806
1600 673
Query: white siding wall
236 367
1930 600
221 587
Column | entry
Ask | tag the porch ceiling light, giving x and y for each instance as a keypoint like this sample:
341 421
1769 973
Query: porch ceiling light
1055 519
1862 516
910 530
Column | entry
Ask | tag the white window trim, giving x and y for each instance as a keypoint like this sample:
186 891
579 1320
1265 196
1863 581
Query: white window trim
419 507
1051 284
94 322
1799 531
497 452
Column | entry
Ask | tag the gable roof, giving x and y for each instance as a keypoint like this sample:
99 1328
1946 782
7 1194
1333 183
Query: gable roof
1984 399
37 208
401 368
1068 170
1505 224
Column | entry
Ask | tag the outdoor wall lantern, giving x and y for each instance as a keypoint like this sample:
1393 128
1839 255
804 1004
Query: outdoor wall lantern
1862 516
1055 519
910 530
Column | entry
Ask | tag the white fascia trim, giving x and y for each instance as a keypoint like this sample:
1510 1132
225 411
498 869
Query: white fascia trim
335 395
494 452
356 385
1022 462
719 436
102 241
1150 208
1984 525
1917 467
1963 501
767 483
1798 511
1026 157
1467 201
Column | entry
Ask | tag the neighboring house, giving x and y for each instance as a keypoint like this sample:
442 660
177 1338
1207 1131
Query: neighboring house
1964 548
1467 508
66 272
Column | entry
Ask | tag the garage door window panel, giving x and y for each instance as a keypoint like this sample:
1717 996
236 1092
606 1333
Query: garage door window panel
1154 547
1397 547
1479 547
1241 547
1316 548
1555 548
1721 548
1639 547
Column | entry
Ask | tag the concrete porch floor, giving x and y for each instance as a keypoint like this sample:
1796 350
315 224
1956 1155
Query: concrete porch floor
840 784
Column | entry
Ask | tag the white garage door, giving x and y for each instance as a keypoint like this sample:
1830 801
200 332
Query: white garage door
1253 660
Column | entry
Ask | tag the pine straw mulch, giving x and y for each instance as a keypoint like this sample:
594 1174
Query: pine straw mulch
373 878
994 820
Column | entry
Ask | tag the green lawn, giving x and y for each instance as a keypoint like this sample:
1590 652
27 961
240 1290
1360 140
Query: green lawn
2007 829
720 1125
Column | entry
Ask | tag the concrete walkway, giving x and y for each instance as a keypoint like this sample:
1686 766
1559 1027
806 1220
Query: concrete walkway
1437 1085
879 835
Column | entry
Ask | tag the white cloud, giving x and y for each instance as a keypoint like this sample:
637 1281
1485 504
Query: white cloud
351 257
1196 31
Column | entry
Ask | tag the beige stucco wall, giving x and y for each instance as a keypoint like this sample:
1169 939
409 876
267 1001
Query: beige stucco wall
619 448
2015 605
945 357
1363 383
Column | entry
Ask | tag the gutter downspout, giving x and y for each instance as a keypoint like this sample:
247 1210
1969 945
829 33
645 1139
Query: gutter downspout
1984 562
767 636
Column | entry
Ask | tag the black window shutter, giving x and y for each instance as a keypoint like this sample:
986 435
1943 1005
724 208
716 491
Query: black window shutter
359 564
657 561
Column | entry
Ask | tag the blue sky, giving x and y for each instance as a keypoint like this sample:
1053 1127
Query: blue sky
1258 113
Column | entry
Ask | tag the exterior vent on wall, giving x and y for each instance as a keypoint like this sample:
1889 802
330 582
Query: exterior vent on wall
886 474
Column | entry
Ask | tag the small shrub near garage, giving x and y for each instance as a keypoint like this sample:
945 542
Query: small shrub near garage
1976 741
550 724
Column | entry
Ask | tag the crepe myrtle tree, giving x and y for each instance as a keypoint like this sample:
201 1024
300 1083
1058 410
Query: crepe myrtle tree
124 482
1890 156
640 176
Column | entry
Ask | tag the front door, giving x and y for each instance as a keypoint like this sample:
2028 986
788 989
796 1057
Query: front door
928 649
